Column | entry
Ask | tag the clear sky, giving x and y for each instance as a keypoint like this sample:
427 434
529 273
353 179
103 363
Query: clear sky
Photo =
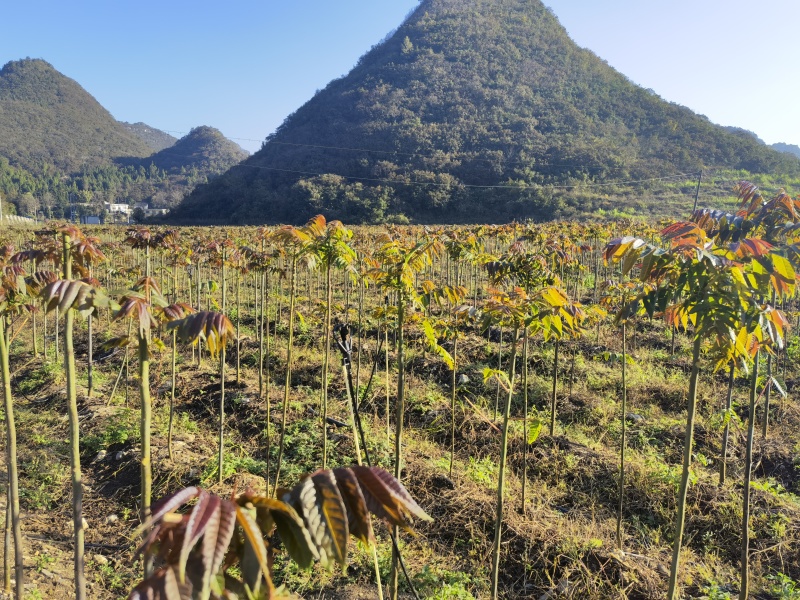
242 66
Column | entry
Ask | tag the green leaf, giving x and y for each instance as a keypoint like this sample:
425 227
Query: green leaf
778 387
534 430
434 346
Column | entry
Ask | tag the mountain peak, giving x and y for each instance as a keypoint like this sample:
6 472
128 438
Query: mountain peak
47 118
204 149
472 110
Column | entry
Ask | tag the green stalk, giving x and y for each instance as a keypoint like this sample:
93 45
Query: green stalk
145 427
501 479
524 422
623 441
325 360
499 366
723 454
400 410
75 455
453 406
172 393
74 434
288 382
7 543
13 478
554 396
680 519
90 367
748 472
238 322
221 413
261 337
386 358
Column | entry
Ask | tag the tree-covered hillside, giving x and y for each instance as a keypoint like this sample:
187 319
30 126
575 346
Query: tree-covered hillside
203 149
471 111
47 120
155 139
59 147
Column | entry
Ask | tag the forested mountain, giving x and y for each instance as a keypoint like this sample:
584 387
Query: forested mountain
154 138
465 95
59 147
788 148
49 121
203 149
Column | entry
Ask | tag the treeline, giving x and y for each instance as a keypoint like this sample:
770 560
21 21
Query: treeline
51 193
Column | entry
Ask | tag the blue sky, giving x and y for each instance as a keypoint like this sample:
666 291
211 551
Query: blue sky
243 65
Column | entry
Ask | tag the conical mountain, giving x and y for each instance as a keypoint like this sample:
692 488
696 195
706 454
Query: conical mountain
473 110
203 149
48 120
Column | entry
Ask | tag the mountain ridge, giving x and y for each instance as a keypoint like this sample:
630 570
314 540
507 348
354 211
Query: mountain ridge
463 98
59 146
155 139
48 118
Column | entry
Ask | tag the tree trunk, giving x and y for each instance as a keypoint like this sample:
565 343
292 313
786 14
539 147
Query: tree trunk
524 422
554 396
748 472
146 420
680 519
623 441
400 410
172 393
502 471
325 361
723 454
221 457
453 406
12 506
288 382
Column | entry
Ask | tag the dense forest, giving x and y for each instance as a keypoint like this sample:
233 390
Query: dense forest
59 147
47 121
470 112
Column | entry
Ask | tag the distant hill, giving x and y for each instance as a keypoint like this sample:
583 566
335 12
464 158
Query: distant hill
58 146
744 133
203 149
472 110
48 120
788 148
154 138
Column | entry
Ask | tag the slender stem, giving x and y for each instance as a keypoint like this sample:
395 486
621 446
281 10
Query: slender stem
453 406
398 426
623 440
554 395
146 420
90 369
75 456
221 415
325 359
680 519
172 393
501 479
288 381
723 454
524 423
12 505
748 472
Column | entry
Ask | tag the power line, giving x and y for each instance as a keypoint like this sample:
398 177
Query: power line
471 186
466 155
